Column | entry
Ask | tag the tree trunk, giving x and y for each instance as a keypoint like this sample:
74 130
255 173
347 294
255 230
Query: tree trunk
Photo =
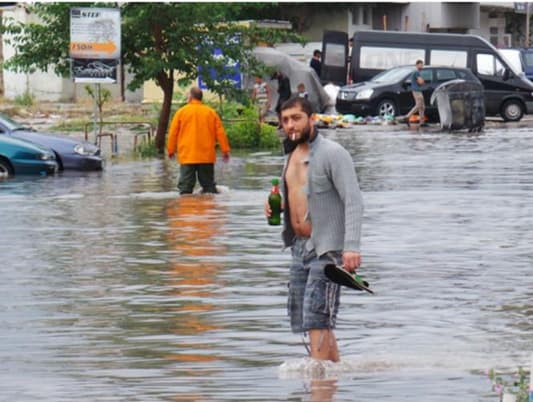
2 89
166 83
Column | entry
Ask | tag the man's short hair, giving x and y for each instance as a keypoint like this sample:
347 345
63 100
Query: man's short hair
317 53
196 93
419 61
304 104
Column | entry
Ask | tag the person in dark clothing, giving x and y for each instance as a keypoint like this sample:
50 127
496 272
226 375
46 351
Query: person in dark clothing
316 63
284 88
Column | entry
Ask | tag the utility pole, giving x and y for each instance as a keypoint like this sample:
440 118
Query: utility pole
527 25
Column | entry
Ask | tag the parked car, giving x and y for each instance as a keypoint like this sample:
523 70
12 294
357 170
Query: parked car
70 154
520 59
22 157
389 92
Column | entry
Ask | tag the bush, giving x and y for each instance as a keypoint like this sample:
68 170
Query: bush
244 131
146 149
26 99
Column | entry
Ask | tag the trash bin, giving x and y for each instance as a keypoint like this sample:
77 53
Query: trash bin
461 105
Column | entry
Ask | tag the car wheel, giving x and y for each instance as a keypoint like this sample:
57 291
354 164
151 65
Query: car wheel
386 107
5 168
512 110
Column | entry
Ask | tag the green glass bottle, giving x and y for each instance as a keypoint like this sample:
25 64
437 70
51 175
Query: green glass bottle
274 200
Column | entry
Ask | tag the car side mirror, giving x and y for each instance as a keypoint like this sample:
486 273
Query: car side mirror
406 84
506 74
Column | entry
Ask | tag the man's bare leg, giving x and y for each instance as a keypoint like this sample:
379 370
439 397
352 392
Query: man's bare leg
323 390
323 345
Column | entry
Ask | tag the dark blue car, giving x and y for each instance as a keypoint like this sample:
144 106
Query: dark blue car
19 157
70 154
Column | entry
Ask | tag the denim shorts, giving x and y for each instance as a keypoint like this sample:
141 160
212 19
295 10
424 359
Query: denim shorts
313 299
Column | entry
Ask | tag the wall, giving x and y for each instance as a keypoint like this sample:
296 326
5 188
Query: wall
441 17
43 85
47 86
320 19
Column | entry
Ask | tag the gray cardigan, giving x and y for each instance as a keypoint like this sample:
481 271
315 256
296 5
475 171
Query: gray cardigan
335 204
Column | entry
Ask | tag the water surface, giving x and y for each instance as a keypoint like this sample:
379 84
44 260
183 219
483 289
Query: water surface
114 288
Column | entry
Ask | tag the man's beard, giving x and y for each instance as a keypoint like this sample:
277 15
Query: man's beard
306 135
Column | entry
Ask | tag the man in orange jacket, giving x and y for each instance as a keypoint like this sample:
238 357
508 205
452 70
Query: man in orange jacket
194 132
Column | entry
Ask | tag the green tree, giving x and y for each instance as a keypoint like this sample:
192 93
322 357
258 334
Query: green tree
159 41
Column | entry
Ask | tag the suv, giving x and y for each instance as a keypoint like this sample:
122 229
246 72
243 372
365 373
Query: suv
389 92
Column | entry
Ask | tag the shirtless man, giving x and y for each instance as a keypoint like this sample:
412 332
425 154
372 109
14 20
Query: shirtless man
322 224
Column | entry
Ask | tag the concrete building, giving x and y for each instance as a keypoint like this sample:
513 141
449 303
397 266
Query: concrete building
498 22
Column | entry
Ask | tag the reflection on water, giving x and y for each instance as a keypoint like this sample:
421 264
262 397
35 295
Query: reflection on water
115 288
193 223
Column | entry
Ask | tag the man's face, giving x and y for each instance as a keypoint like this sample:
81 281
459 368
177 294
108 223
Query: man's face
296 124
420 66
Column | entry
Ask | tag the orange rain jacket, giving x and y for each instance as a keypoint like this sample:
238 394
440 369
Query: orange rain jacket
195 130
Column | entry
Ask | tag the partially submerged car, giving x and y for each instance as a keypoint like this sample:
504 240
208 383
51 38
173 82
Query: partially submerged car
70 154
19 157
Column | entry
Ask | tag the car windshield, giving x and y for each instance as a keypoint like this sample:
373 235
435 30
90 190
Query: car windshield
12 125
512 56
393 75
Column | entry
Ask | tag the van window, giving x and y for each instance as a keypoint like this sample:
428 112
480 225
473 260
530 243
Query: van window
387 57
487 64
335 55
528 58
448 58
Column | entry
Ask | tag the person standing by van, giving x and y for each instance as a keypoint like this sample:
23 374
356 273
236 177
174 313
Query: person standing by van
417 84
316 62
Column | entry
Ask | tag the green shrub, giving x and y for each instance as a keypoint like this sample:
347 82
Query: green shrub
269 137
71 125
146 149
243 129
26 99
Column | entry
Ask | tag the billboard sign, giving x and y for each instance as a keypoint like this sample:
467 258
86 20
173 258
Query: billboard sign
232 73
95 44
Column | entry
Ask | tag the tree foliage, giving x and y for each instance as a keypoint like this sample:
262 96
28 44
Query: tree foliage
160 41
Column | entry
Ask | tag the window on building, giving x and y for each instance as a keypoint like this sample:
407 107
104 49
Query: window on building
355 16
366 15
362 15
494 36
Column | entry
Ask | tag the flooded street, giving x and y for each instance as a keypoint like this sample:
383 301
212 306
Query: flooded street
114 288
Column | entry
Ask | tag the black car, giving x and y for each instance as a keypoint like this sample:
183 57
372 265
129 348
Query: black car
389 92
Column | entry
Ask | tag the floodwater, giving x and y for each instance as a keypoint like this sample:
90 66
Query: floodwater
113 288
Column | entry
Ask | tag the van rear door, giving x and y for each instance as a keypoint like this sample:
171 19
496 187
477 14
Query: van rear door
334 57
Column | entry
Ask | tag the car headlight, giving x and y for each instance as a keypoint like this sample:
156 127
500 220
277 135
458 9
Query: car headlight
85 149
364 94
47 157
346 95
